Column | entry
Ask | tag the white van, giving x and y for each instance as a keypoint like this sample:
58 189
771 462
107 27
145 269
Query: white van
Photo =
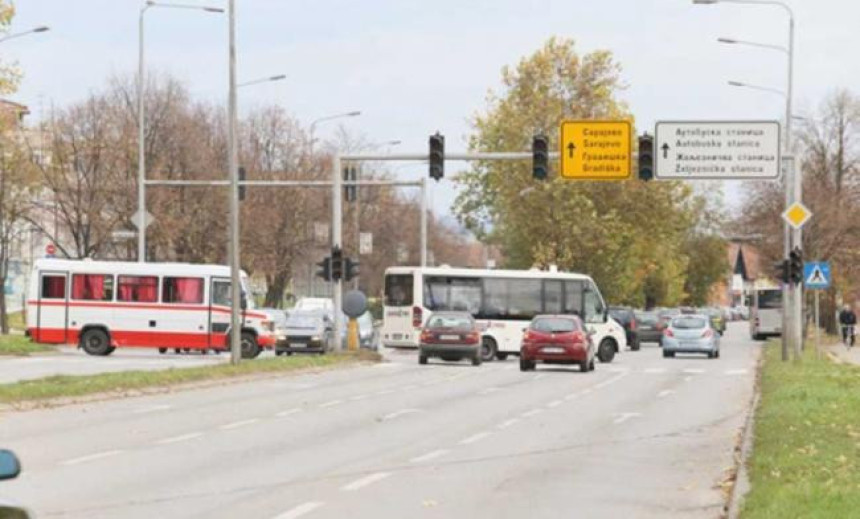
766 315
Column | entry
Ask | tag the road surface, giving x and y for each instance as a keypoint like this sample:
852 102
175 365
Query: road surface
641 437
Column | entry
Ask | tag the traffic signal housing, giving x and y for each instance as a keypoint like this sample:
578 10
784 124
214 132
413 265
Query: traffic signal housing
437 156
350 192
796 265
646 157
324 268
781 271
540 157
336 264
350 269
242 175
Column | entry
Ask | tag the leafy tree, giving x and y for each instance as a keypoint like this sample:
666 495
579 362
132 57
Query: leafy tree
10 75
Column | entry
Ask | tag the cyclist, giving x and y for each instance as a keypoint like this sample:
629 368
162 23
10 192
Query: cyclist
848 319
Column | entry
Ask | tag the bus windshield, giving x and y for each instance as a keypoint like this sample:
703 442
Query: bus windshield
398 290
770 299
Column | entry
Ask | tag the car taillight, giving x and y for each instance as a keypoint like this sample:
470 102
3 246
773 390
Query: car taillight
527 336
633 324
707 333
668 332
473 338
579 338
426 336
417 317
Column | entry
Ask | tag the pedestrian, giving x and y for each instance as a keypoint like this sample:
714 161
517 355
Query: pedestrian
848 320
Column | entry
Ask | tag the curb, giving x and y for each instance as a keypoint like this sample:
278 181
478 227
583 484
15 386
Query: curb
740 476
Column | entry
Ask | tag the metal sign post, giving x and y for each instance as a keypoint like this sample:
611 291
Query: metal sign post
817 277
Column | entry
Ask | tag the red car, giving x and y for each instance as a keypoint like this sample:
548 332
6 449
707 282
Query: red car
556 339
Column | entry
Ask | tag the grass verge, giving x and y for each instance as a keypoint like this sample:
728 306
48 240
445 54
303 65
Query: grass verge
20 345
16 321
806 455
69 386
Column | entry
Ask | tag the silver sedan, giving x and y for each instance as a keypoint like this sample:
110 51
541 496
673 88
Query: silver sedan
691 334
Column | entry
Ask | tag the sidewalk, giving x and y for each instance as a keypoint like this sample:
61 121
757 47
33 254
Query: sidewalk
847 355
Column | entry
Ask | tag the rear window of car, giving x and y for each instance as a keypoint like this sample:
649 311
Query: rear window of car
646 318
689 323
621 314
555 325
398 290
450 321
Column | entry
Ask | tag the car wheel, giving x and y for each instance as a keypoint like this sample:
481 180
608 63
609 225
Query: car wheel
177 351
501 356
249 346
583 366
591 365
422 359
526 365
635 345
606 351
96 342
488 349
666 354
476 360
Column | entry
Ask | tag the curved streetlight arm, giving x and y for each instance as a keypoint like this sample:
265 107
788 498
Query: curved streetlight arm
758 87
732 41
173 5
749 2
42 28
279 77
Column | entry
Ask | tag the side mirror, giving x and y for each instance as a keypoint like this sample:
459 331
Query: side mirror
10 467
605 315
525 330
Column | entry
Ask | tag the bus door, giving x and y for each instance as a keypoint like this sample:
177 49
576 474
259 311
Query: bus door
52 308
219 311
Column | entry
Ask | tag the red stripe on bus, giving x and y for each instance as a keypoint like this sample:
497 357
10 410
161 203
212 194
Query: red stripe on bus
131 338
139 306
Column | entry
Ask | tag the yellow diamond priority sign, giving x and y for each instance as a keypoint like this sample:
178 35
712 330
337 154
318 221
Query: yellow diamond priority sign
796 215
595 150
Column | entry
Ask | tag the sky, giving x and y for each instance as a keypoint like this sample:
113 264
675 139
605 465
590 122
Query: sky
414 67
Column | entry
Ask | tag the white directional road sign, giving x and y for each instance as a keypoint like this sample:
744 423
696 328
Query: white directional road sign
701 150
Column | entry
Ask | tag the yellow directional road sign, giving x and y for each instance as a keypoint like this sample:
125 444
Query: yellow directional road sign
595 150
796 215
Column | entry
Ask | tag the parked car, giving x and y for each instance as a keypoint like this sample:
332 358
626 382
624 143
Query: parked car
279 321
451 336
716 317
691 334
627 319
667 314
10 468
556 339
307 331
649 328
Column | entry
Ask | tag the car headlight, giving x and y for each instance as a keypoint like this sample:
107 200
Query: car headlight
315 338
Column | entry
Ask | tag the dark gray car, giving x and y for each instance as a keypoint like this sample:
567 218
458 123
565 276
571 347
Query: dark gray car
649 327
306 332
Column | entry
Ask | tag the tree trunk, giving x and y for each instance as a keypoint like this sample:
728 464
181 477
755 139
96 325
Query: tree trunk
4 319
275 291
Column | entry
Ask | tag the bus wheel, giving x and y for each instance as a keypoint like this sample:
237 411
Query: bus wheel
488 349
96 342
502 356
606 351
250 348
162 350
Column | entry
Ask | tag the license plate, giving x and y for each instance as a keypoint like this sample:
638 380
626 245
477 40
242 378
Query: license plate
298 345
689 345
449 337
553 349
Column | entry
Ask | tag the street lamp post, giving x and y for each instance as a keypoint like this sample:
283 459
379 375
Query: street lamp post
42 28
268 79
141 120
792 299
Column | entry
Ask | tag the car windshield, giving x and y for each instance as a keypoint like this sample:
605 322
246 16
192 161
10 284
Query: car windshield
450 321
554 325
304 321
689 323
648 318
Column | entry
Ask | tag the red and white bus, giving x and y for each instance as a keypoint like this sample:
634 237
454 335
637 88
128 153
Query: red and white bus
104 305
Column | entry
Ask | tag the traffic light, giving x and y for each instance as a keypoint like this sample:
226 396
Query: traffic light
350 192
781 270
336 264
646 157
325 269
350 269
540 157
437 156
242 174
796 265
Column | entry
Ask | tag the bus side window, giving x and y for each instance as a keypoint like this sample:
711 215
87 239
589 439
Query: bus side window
221 293
553 302
593 305
573 297
53 287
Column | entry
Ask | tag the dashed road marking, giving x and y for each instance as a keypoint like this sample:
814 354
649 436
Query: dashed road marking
693 371
533 412
655 370
554 403
288 412
474 438
395 414
665 393
507 423
611 380
152 409
300 510
180 438
489 390
736 372
365 481
587 391
236 425
623 417
91 457
330 403
429 456
384 392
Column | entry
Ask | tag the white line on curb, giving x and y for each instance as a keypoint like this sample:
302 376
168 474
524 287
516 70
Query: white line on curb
474 438
507 423
288 412
236 425
180 438
331 403
152 409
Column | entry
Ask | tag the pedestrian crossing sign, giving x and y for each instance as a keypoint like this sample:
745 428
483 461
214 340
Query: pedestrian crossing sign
816 275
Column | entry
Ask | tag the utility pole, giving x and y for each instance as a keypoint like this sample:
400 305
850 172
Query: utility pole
337 242
233 168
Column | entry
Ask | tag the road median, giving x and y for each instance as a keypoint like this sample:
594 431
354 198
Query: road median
67 389
806 455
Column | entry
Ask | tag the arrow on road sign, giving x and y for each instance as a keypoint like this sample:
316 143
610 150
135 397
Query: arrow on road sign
570 149
665 149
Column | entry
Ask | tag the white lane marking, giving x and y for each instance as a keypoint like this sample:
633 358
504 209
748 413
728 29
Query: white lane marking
693 371
356 398
429 456
687 379
540 376
288 412
533 412
623 417
180 438
91 457
508 423
664 393
554 403
611 380
367 480
300 510
655 370
395 414
236 425
736 372
474 438
152 409
617 369
331 403
489 390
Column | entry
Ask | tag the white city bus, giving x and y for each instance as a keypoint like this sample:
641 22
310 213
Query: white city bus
502 301
766 314
103 305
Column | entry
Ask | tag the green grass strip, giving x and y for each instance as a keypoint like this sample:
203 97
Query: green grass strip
64 386
806 456
20 345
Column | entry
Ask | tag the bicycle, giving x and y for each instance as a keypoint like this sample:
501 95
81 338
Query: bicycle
848 334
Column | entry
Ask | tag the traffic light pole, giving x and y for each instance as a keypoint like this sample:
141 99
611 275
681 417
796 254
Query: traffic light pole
336 243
